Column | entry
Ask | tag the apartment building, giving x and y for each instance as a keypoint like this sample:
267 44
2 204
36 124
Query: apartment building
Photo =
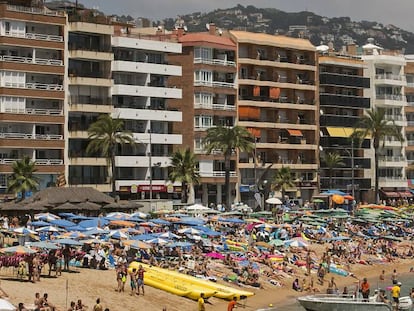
141 71
409 113
342 103
209 100
32 62
89 90
278 102
387 90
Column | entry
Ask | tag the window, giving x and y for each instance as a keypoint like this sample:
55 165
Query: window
203 75
205 99
203 121
198 145
203 53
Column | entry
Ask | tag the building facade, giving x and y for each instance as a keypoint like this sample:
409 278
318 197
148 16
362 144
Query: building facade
409 113
278 102
342 103
387 91
209 100
141 71
32 92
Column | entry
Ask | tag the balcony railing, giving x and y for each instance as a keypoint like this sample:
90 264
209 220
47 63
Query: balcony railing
389 97
89 100
392 178
48 112
34 10
34 36
30 60
37 86
214 84
394 117
217 174
389 76
31 136
214 61
37 161
214 106
392 158
410 123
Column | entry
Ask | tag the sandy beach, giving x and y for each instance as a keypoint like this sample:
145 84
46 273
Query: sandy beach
87 284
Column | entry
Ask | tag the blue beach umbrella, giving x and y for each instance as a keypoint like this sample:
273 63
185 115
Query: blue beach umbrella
94 222
39 223
160 221
62 223
69 242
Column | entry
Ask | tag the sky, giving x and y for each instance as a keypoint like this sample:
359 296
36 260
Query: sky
396 12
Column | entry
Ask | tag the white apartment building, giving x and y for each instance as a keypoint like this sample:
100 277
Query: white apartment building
386 72
139 96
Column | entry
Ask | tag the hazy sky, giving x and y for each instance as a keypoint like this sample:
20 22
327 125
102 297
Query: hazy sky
397 12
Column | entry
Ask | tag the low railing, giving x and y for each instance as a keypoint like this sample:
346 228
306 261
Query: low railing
392 158
37 161
37 86
34 36
217 174
31 136
214 84
389 76
48 112
214 106
392 117
31 60
389 97
214 61
34 10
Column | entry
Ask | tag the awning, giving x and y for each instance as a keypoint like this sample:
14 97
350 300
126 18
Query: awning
339 131
390 194
295 133
406 194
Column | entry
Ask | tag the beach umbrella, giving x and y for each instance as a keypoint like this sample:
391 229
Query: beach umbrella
118 215
139 215
122 223
231 220
179 244
62 223
191 231
46 216
39 223
338 199
92 241
137 244
143 237
23 250
44 244
76 228
48 229
275 201
215 255
94 222
168 235
118 234
276 242
24 231
74 235
296 242
95 231
158 241
79 217
318 201
160 221
67 215
196 207
69 242
333 191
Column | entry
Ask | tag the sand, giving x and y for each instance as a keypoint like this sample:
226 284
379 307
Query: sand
87 284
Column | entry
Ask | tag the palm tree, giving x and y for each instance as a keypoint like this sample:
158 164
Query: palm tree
104 136
282 180
22 179
228 140
375 125
184 169
332 161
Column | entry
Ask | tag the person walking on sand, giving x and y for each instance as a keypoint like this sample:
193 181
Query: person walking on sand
395 293
98 306
394 277
200 303
140 279
365 289
233 304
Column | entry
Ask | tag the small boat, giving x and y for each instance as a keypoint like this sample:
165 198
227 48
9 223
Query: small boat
329 302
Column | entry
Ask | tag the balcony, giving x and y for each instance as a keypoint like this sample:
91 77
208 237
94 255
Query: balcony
338 120
390 99
31 136
90 100
33 86
34 10
217 174
30 60
34 111
391 77
327 78
34 36
215 84
215 106
213 61
328 99
344 183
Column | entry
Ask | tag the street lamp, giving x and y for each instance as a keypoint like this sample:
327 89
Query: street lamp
150 169
351 154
